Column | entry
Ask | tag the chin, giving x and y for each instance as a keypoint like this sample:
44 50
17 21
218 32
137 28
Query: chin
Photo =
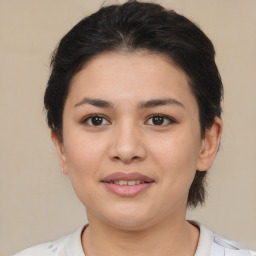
131 224
129 219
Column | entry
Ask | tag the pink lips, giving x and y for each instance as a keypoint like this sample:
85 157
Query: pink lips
127 190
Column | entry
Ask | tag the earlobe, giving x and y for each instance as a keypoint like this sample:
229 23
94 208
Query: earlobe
210 145
60 151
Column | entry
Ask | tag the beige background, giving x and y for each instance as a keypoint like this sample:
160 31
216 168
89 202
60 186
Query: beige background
37 203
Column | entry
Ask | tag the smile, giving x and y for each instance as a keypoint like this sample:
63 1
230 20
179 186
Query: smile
127 184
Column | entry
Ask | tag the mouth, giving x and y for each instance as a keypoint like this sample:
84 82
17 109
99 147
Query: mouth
127 184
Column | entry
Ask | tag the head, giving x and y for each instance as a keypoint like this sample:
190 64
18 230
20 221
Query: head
132 28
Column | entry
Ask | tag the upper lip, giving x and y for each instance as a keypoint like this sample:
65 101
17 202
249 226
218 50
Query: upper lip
127 176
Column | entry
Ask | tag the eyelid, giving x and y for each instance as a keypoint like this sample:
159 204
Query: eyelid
170 119
88 117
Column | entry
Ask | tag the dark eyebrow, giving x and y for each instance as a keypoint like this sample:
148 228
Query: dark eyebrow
160 102
145 104
95 102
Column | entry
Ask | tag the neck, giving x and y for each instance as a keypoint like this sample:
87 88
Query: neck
173 236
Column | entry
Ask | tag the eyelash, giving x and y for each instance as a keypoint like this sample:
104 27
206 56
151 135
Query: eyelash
85 120
170 119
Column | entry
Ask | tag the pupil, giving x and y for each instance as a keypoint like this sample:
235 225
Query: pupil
158 120
96 120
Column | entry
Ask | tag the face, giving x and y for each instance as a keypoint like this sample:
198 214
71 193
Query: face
131 139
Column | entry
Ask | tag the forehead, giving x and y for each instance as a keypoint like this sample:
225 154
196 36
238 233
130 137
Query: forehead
131 76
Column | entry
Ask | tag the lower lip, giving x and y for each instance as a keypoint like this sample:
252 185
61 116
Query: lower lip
127 191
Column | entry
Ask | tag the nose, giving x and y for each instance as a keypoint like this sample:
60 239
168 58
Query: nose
127 144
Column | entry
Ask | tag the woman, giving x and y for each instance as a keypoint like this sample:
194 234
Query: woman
134 107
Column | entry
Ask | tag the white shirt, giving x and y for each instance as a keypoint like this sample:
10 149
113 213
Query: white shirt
209 244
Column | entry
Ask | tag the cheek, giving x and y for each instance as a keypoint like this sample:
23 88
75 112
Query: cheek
177 157
178 149
83 156
176 160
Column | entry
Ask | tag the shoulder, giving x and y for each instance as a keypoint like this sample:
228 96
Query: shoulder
46 249
211 244
229 248
65 246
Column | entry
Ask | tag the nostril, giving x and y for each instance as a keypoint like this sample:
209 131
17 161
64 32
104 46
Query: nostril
126 159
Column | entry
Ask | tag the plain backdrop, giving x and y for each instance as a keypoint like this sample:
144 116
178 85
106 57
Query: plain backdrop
37 203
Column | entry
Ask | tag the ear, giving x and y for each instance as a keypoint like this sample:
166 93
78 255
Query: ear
60 150
210 145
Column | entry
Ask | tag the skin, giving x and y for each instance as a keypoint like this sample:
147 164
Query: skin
129 140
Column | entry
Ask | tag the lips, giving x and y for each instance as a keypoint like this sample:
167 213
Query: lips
127 184
127 177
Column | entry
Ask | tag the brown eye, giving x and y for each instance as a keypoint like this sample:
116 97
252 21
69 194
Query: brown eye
95 120
160 120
